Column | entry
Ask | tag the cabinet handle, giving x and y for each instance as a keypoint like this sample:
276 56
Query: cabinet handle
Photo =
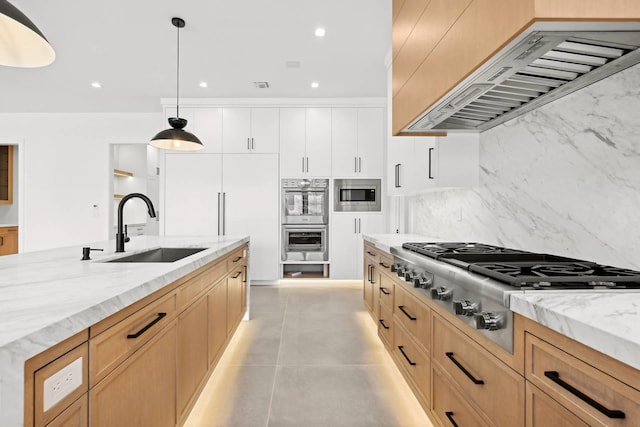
384 291
224 213
359 164
430 152
382 323
307 165
237 259
303 165
371 253
355 164
401 307
401 348
245 274
235 276
397 185
369 273
359 226
384 265
248 143
449 415
611 413
146 328
253 146
1 241
462 368
219 215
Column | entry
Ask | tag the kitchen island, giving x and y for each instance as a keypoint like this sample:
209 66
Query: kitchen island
49 296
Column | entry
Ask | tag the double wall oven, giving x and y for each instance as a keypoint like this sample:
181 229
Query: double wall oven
305 219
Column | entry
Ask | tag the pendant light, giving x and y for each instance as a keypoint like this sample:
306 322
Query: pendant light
21 42
177 138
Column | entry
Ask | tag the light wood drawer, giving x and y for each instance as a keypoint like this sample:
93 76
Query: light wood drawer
385 261
451 408
236 259
412 360
543 411
584 390
371 252
386 291
189 291
110 348
482 376
45 409
385 325
75 415
413 315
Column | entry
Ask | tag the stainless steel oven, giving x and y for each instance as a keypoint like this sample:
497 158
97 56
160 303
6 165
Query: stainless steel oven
357 195
305 201
305 243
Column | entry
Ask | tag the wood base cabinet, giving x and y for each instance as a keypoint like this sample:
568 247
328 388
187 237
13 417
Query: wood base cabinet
142 391
8 240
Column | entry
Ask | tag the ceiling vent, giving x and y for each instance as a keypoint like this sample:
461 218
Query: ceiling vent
261 85
292 65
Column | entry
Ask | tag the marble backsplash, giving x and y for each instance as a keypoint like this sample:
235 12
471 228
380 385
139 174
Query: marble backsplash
562 179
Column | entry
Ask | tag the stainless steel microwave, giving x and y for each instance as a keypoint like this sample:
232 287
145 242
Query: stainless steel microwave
357 195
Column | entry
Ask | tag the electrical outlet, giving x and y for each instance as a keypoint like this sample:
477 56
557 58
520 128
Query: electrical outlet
62 383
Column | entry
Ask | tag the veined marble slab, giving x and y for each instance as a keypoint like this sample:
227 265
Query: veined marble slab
48 296
386 241
608 322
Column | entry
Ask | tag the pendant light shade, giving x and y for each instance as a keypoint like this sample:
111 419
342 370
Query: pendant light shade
176 138
21 42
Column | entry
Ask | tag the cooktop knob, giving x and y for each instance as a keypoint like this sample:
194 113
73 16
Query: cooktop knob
408 276
466 307
422 282
490 321
441 293
400 271
394 267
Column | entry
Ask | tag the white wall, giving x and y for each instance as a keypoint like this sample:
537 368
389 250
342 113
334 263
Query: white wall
67 172
563 179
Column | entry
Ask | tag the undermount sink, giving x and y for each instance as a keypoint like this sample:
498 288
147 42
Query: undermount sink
160 255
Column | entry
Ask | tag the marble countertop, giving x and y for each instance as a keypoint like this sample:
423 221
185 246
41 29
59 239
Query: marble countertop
48 296
8 225
607 321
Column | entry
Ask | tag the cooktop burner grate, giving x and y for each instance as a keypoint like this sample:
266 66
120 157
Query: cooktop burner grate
448 249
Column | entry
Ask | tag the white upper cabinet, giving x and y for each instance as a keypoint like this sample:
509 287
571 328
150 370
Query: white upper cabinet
305 142
357 142
318 146
417 164
203 122
250 130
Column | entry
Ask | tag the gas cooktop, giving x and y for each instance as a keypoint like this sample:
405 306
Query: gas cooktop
528 269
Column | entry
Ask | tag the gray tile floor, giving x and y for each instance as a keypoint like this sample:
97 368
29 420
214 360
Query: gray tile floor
309 356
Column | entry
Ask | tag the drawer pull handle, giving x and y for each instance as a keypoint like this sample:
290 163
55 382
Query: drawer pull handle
449 415
382 323
401 348
384 265
371 253
555 377
245 275
235 276
237 259
146 328
401 307
384 291
462 368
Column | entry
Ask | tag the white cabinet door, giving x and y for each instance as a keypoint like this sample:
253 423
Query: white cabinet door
292 142
318 146
236 130
370 142
251 197
265 130
426 164
400 165
347 244
192 184
344 142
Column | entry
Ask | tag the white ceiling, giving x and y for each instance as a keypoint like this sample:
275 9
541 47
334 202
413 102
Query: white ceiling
130 47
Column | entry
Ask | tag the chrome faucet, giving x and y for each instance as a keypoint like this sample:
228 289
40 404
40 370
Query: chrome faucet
120 236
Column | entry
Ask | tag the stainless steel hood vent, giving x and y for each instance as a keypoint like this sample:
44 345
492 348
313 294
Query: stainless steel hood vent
543 67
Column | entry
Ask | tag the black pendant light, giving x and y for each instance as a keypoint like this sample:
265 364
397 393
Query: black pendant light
177 138
21 42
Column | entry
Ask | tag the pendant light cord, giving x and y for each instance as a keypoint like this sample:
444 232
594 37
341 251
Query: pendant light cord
178 76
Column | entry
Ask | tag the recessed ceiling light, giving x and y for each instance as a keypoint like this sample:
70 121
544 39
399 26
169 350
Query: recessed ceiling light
320 32
203 84
315 85
96 85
